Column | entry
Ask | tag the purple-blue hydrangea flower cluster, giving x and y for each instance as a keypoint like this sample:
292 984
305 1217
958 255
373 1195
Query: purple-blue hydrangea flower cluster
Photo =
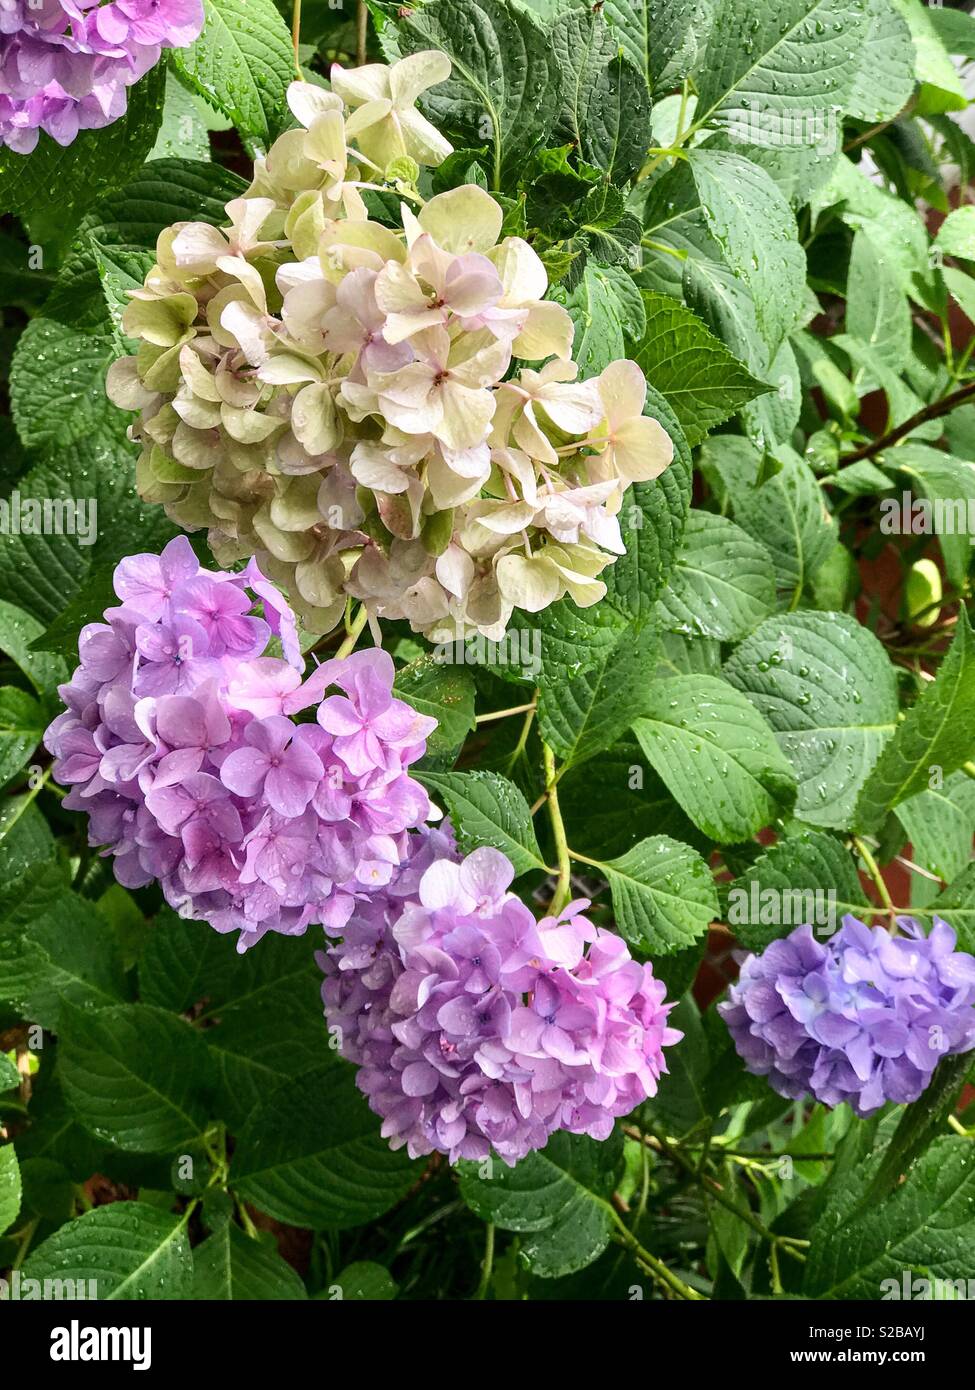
179 743
66 65
863 1017
475 1026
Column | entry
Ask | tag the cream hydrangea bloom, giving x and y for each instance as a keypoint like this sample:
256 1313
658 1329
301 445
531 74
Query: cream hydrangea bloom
345 399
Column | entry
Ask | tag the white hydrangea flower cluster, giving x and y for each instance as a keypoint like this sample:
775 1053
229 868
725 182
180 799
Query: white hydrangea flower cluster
337 398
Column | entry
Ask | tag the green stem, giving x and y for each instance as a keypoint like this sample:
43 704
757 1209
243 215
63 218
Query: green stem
295 32
715 1190
352 632
651 1264
504 713
361 32
582 859
930 412
487 1264
26 1236
874 870
520 746
246 1221
563 884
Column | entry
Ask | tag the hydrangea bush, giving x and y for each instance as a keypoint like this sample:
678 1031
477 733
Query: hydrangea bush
487 719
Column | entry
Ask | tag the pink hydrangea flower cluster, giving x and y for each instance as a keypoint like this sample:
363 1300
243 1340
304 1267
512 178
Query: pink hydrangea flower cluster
66 65
180 742
476 1027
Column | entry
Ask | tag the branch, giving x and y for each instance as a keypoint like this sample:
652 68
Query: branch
930 412
563 884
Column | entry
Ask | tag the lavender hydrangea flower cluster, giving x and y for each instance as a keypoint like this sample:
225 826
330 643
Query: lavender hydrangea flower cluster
475 1026
66 65
180 743
864 1017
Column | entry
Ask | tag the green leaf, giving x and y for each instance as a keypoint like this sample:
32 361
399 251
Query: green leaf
606 309
727 307
615 129
613 801
93 596
9 1075
895 231
788 516
55 947
920 1123
688 656
506 85
696 373
575 639
120 269
230 1265
363 1282
585 44
22 723
956 30
487 809
653 518
806 879
558 1200
186 123
681 1101
938 732
164 191
755 228
884 80
664 897
263 1010
794 56
723 584
56 382
88 480
126 1250
730 466
242 64
580 715
136 1076
876 308
957 906
948 484
927 1225
941 86
18 633
961 288
446 693
311 1155
665 41
717 755
94 162
827 688
9 1187
940 824
873 372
